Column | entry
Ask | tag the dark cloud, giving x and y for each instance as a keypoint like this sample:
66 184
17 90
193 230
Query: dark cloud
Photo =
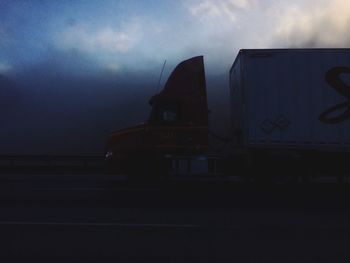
65 111
10 98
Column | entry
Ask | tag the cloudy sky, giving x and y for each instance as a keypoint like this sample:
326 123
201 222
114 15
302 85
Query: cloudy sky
90 55
140 35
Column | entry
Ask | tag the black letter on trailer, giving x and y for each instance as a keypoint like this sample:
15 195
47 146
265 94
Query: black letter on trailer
334 80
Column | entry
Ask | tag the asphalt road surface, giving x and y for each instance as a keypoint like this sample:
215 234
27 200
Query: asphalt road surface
103 218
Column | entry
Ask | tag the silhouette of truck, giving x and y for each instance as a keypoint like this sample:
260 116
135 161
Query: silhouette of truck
290 108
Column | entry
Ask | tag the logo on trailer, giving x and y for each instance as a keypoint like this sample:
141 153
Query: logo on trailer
334 80
281 123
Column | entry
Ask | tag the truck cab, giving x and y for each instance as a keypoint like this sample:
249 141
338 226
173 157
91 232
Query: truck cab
177 124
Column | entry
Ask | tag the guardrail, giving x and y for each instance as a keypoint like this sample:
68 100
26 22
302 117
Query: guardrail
13 162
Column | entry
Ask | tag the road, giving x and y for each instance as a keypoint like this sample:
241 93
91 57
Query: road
103 218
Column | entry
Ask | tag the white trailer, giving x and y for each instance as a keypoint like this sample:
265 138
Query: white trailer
291 99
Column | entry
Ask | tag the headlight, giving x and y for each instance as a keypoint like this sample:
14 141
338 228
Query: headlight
109 154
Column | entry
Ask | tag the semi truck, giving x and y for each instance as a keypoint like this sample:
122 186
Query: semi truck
289 113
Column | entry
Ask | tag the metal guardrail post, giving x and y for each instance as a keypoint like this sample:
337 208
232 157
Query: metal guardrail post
189 165
215 166
177 166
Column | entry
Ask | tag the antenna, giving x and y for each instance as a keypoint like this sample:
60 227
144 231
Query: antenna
160 77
